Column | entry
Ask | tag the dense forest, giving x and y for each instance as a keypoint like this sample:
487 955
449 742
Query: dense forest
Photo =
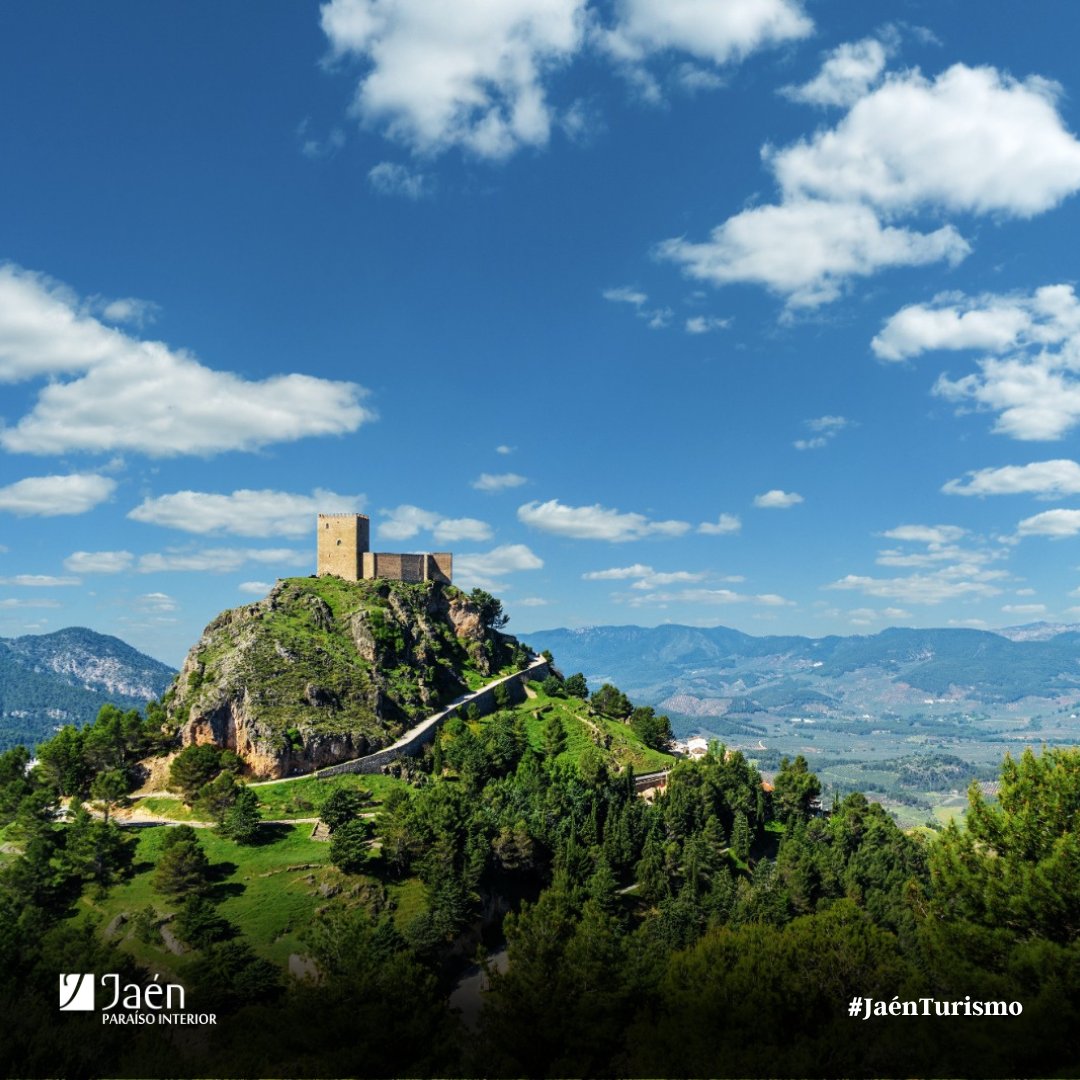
720 929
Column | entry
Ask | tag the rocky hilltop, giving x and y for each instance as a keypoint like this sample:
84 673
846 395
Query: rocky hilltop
323 670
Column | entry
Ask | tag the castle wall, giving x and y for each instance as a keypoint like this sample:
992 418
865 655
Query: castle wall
440 567
411 743
342 538
343 542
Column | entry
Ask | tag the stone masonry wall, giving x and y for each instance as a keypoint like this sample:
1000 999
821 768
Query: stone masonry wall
410 744
341 540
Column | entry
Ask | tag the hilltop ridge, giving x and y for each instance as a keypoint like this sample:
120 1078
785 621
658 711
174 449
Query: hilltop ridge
323 670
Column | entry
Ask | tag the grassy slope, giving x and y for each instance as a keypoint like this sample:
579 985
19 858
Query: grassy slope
272 890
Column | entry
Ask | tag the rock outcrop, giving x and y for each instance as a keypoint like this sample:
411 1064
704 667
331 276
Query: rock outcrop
323 670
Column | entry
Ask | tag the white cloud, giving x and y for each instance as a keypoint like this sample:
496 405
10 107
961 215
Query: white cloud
109 391
11 602
532 601
847 74
1034 398
244 512
619 573
131 310
1044 479
53 496
926 534
157 602
486 570
1057 524
714 32
724 525
1024 609
35 581
218 560
672 577
704 324
494 482
826 429
99 562
708 597
806 249
971 140
777 500
448 530
504 449
255 588
952 322
625 294
467 74
594 522
405 521
949 583
389 178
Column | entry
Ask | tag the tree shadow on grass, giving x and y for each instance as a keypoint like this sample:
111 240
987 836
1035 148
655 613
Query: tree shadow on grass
270 833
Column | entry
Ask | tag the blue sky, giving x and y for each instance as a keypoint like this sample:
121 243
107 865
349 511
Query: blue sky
744 312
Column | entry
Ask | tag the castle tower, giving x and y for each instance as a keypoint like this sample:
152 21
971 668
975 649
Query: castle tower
343 539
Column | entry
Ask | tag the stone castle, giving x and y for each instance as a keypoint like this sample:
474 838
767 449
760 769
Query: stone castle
343 550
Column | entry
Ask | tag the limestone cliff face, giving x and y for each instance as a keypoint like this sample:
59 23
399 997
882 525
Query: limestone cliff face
323 670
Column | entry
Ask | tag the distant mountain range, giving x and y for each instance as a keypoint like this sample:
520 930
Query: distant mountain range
47 680
716 672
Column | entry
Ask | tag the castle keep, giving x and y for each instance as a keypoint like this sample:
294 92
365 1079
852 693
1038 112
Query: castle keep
343 550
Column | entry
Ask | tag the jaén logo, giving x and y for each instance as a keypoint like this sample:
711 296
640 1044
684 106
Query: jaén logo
76 993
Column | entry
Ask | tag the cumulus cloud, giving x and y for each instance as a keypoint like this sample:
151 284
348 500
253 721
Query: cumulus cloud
99 562
1057 524
1044 479
724 525
806 249
504 449
716 33
486 570
218 560
595 522
53 496
109 391
244 512
1026 610
494 482
1029 377
389 178
532 601
847 74
478 75
777 500
970 140
406 521
470 74
255 588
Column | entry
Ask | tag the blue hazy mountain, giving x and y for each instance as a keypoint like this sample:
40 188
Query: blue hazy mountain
715 671
47 680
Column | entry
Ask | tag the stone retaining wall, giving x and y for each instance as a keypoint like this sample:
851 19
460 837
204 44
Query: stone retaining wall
410 744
